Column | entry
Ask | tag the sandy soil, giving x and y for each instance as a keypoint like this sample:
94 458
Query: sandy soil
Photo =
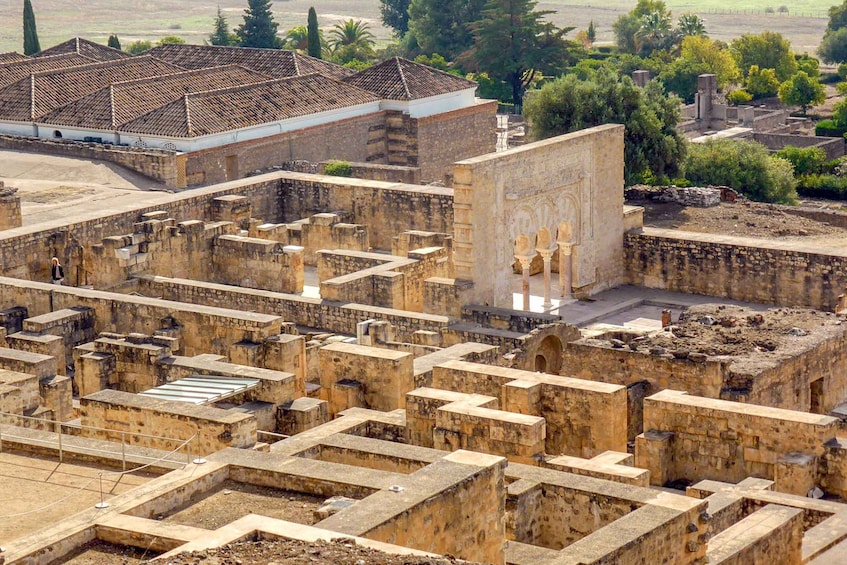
743 219
300 553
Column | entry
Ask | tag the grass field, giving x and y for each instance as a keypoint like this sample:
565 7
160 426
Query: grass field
192 19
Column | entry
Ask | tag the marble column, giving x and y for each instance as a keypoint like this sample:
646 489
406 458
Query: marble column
565 269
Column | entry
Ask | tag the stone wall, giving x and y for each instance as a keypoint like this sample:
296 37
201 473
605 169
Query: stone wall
215 429
446 138
161 165
833 147
787 274
387 209
694 438
575 178
354 139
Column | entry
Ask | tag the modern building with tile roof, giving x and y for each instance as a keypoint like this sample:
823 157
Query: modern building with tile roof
11 57
84 47
229 110
275 63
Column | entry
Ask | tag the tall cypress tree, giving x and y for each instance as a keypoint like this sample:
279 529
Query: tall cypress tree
314 35
31 46
114 42
259 27
221 34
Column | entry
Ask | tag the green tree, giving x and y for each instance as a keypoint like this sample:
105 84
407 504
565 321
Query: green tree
591 32
626 27
762 83
652 145
802 90
809 65
691 25
680 77
259 28
221 35
351 32
31 45
833 47
514 45
297 39
768 50
837 18
745 166
441 26
138 47
171 40
714 56
313 35
654 32
395 14
114 42
805 160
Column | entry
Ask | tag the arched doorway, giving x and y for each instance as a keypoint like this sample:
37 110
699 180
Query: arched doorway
548 356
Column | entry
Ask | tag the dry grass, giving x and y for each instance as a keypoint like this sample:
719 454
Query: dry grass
59 20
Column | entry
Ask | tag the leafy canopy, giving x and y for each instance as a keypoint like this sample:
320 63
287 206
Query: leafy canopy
652 145
258 28
745 166
395 14
768 50
802 90
513 44
442 26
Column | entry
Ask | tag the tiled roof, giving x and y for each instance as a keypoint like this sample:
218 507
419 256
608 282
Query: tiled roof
229 109
39 93
401 79
13 72
85 47
121 102
11 57
275 63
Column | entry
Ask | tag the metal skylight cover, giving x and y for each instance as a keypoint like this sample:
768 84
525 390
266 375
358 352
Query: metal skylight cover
201 389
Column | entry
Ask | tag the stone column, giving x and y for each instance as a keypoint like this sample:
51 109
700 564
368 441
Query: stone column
525 262
565 269
547 257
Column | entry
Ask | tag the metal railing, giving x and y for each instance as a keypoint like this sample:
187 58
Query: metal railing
58 428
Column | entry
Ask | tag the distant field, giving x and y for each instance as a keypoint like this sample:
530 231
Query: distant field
192 19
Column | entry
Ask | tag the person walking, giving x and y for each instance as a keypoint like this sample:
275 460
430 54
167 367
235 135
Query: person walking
57 272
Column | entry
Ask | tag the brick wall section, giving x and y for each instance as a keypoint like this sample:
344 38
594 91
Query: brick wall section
157 164
446 138
737 268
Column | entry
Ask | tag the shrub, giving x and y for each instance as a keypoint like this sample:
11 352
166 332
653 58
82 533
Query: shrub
745 166
806 160
842 71
828 128
739 96
823 186
338 169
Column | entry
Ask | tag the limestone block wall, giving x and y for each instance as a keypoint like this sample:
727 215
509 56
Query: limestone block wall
338 317
575 178
20 392
73 325
257 263
10 208
385 376
215 429
445 138
583 418
453 506
696 438
787 274
206 329
47 345
327 231
28 362
387 209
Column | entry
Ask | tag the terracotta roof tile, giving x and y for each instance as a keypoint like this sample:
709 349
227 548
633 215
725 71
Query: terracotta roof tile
39 93
13 72
401 79
216 111
121 102
11 57
85 47
275 63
